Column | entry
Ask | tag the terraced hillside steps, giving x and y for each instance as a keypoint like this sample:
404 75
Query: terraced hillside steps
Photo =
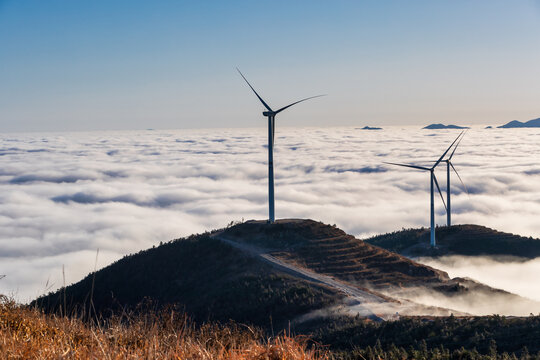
327 250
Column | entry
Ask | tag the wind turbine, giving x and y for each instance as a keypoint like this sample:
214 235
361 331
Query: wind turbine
271 115
433 179
448 166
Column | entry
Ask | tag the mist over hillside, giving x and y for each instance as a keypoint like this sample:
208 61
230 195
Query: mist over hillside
498 259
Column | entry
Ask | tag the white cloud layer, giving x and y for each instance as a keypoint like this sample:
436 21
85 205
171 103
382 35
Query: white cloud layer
64 195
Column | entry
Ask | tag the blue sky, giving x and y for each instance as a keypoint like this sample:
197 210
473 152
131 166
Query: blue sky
88 65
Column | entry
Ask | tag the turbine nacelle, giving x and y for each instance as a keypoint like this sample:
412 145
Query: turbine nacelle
269 113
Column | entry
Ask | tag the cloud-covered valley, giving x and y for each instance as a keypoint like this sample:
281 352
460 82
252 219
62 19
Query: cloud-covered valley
64 195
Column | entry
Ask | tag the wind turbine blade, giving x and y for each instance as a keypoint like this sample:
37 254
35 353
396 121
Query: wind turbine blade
410 166
299 101
260 98
455 147
440 193
440 159
459 177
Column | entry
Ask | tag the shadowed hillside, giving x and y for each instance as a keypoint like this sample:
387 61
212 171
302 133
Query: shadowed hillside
203 276
469 240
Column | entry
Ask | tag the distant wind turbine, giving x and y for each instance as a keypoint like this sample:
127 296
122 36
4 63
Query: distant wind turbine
271 115
448 189
433 180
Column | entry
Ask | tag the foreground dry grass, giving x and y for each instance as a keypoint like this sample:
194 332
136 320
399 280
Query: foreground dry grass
29 334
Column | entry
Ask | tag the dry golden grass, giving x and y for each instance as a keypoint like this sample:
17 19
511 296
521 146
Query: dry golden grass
27 333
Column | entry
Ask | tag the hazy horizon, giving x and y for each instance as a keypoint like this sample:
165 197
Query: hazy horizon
279 127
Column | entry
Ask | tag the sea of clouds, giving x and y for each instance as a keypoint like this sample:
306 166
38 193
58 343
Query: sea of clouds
65 195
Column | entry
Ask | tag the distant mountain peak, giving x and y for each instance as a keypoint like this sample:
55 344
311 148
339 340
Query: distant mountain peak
442 126
534 123
370 128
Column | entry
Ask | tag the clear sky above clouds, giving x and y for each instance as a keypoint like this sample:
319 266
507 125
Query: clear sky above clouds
84 65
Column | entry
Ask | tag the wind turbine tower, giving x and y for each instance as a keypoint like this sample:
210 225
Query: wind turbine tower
433 180
271 115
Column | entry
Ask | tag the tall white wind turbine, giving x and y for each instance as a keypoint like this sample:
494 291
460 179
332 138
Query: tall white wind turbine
271 115
449 165
433 180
